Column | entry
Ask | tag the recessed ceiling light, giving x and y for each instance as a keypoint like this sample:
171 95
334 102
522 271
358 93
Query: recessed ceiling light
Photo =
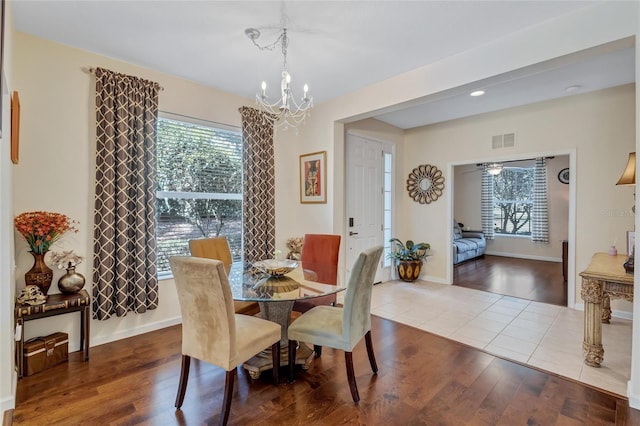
573 88
477 93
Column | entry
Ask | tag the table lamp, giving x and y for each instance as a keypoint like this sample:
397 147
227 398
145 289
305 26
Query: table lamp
629 178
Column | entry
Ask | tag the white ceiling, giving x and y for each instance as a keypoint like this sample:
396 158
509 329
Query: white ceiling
335 46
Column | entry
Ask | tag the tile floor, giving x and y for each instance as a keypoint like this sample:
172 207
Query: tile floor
545 336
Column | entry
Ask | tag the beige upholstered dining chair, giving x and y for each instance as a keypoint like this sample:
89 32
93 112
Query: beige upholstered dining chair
218 248
342 328
211 330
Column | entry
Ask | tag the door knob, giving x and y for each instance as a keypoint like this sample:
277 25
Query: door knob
352 233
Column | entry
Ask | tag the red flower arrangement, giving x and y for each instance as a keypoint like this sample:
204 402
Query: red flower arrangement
41 229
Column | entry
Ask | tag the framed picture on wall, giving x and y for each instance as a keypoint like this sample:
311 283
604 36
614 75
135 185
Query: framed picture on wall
15 127
313 178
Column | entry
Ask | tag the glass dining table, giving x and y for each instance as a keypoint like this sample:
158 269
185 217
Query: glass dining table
276 285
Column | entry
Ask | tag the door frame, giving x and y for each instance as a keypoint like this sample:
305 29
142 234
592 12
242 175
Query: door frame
571 227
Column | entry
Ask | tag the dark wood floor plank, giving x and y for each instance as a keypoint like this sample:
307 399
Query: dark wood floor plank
474 396
495 402
422 379
535 280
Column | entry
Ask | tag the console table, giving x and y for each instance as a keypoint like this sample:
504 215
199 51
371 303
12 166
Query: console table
56 304
604 279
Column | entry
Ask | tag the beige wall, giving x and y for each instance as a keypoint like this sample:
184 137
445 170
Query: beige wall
599 127
57 150
467 209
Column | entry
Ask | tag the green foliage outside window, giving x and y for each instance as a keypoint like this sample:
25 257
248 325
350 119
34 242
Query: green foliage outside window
199 187
512 195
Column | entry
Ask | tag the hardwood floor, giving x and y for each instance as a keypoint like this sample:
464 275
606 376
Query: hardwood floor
535 280
422 379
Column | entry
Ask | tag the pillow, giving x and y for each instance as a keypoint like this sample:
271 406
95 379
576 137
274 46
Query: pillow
457 232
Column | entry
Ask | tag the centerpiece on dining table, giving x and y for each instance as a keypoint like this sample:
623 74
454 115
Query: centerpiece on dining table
276 267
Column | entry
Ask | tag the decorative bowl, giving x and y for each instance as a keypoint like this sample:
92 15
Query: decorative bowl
276 268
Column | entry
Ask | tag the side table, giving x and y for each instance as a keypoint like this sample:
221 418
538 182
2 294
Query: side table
56 304
603 280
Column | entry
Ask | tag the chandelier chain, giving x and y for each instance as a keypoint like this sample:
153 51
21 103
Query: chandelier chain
270 46
286 111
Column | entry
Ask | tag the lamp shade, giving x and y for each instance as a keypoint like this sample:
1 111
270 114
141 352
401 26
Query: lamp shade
629 175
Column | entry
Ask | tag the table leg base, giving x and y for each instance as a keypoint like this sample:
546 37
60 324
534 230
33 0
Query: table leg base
263 361
593 354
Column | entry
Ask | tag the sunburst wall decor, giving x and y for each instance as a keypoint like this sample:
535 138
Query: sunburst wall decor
425 184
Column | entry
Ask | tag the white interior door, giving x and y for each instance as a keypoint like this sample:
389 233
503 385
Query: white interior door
364 197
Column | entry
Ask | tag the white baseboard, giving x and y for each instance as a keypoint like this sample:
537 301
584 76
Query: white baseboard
100 340
437 280
9 403
525 256
614 314
633 395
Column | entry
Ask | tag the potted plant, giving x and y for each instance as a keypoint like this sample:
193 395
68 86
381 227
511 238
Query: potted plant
408 258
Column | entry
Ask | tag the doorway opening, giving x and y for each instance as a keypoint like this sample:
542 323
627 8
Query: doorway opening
513 264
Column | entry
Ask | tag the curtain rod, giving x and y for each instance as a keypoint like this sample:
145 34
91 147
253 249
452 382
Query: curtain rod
514 161
92 70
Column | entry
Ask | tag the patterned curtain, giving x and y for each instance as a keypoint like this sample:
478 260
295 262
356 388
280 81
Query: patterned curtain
258 207
124 260
540 213
487 204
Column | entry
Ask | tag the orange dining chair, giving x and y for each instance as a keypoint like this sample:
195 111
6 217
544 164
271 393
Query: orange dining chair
319 260
218 248
212 331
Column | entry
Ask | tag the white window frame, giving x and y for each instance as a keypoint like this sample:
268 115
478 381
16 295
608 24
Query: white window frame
387 202
529 201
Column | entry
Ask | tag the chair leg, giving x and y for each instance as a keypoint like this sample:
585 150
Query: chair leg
372 357
351 377
318 350
228 396
275 359
292 358
184 377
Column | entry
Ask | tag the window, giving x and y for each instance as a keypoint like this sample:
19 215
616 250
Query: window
388 195
513 201
199 194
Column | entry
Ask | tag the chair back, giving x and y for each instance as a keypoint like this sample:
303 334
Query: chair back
206 305
212 248
320 255
356 314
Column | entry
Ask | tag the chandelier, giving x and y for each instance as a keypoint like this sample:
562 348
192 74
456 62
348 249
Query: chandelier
285 112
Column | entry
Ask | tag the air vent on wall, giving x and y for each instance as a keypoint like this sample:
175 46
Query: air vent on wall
496 142
507 140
